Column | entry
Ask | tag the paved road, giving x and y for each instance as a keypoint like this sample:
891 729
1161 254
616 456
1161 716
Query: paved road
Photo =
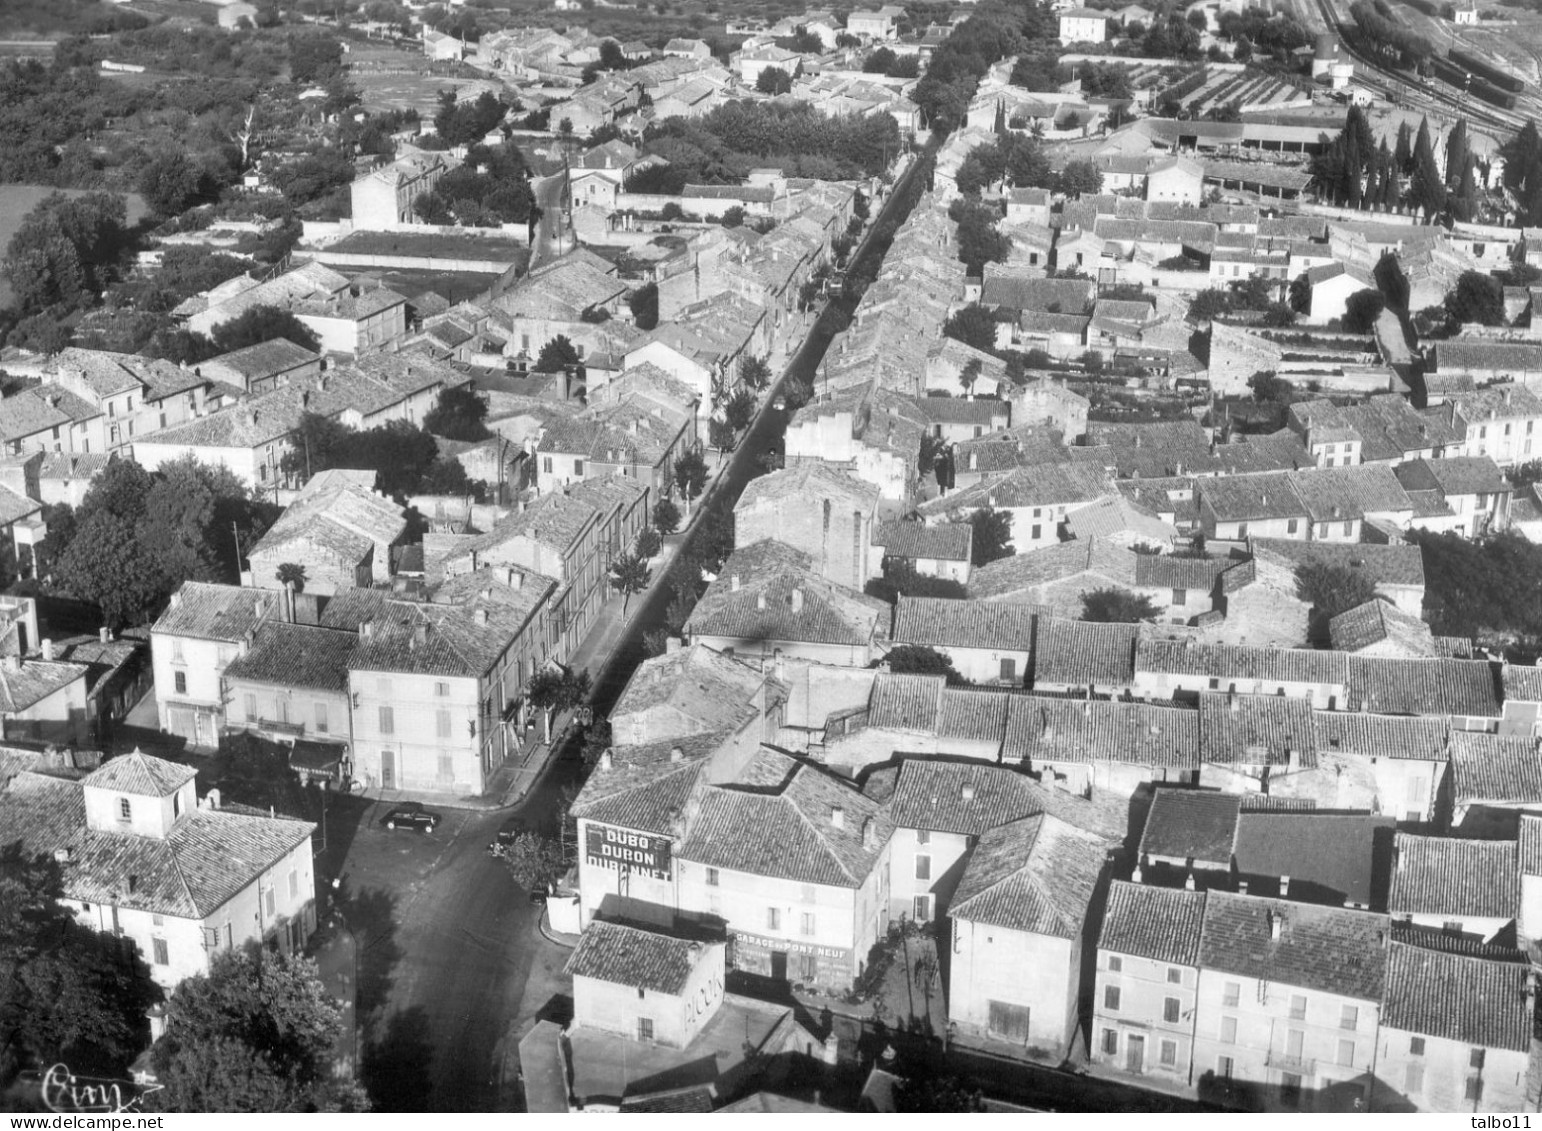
548 198
446 944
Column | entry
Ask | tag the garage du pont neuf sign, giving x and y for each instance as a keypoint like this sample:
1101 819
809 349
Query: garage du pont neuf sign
622 850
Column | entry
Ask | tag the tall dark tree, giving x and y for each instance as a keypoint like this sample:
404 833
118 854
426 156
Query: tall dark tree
458 414
1457 152
1520 153
1427 191
917 659
66 250
1113 605
1477 297
974 326
1402 154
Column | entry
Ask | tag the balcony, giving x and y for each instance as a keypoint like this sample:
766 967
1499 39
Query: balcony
275 726
1303 1066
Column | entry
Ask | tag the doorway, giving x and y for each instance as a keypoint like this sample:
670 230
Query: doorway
779 965
1134 1053
387 769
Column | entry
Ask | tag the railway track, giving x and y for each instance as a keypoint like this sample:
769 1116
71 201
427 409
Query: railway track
1395 83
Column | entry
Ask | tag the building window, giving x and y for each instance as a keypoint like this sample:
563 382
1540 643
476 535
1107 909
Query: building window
1347 1054
158 950
1223 1067
1322 530
1413 1079
712 877
1174 976
1228 1030
294 883
1415 1046
923 867
442 690
1009 671
249 704
1170 1009
1233 994
1169 1054
1111 998
1349 528
1242 530
807 923
923 836
921 909
1115 963
155 920
269 901
179 681
645 1028
1349 1017
1297 1007
773 918
1475 1059
321 718
387 720
1474 1090
1110 1042
578 467
546 464
442 724
1180 596
125 810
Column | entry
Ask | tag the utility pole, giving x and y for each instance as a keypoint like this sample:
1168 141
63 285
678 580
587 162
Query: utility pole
235 536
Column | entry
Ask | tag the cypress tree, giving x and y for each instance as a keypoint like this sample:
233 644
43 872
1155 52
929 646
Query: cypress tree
1402 157
1456 153
1519 154
1352 168
1428 191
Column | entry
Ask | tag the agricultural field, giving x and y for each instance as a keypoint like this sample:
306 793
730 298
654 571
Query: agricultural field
1250 89
391 79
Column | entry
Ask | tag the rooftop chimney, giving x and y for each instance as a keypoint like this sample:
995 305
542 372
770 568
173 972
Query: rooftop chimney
966 791
1188 882
1276 925
366 630
516 579
837 817
734 583
481 618
760 600
11 663
1242 887
676 754
797 600
1135 876
419 634
48 649
1284 887
608 759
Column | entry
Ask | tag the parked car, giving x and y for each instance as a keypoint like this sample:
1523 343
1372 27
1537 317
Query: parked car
538 897
411 815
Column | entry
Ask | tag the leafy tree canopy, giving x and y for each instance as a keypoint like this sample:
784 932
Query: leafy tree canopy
1117 606
458 414
916 659
992 538
262 324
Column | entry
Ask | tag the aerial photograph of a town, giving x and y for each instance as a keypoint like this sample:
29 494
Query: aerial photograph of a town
730 556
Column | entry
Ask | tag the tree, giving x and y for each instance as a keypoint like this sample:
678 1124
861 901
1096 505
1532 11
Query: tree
1362 309
458 414
1279 315
1269 388
1427 191
535 861
1079 178
291 573
690 474
253 1034
773 80
666 516
105 562
644 305
1333 589
1113 605
170 183
992 538
916 659
1477 297
721 435
557 355
974 326
648 543
67 993
969 374
879 61
1521 475
66 251
1457 152
629 574
1488 587
733 218
1300 294
740 409
754 373
554 690
1209 304
260 324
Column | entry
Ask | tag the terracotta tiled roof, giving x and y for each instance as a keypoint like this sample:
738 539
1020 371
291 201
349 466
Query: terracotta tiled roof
1035 875
808 482
1423 687
1384 565
1241 663
705 690
1162 924
791 833
943 541
1455 878
949 797
904 701
1191 824
769 591
142 775
631 957
1381 736
1256 730
645 788
1522 683
215 612
1529 846
1080 653
1491 767
1052 729
1473 1001
1021 573
295 655
1376 622
1330 857
1319 948
937 622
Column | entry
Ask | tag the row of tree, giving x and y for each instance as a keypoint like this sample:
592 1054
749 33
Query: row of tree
1356 171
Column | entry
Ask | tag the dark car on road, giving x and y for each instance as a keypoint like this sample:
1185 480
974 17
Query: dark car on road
411 815
507 832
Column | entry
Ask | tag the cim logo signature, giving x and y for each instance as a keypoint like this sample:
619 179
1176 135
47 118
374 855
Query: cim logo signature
68 1094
